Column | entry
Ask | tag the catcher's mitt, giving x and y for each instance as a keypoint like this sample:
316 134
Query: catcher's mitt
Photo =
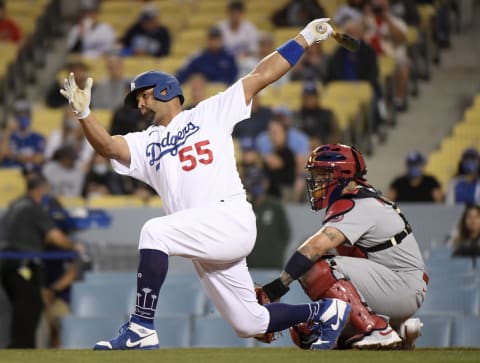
302 335
263 299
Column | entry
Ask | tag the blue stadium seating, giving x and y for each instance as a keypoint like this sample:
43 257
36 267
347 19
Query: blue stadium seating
451 301
173 331
216 332
466 332
90 300
111 277
296 295
185 299
436 331
83 332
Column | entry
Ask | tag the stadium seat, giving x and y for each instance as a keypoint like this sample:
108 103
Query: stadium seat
92 300
83 332
436 332
214 331
173 331
451 301
451 266
115 201
181 299
466 332
45 120
71 202
296 295
110 277
12 185
155 202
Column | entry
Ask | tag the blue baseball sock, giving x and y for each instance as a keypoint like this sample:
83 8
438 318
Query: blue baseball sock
283 316
152 270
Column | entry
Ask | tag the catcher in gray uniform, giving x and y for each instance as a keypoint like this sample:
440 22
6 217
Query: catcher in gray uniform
378 267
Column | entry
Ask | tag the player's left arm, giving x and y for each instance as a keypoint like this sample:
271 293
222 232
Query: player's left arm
279 62
318 245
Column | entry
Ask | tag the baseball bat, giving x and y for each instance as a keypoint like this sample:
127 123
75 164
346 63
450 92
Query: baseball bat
346 41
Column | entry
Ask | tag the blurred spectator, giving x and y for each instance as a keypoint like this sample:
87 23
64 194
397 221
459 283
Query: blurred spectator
69 134
198 90
63 173
20 146
248 130
353 9
109 93
465 186
101 179
280 162
362 65
266 45
466 243
442 27
311 66
298 13
273 227
387 34
147 36
297 141
80 70
415 186
406 10
126 119
240 36
214 62
317 122
9 29
28 228
60 274
89 37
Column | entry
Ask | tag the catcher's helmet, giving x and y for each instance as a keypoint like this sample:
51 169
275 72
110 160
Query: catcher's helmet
329 169
165 86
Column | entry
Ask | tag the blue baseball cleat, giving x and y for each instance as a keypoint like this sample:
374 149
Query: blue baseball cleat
330 324
325 328
132 336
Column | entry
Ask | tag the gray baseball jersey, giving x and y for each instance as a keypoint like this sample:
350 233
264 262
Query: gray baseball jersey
391 280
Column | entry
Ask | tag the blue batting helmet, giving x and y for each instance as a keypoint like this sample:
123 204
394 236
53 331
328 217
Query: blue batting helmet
165 86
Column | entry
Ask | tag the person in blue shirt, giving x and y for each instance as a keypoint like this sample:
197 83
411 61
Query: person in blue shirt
214 62
20 146
297 141
147 36
465 187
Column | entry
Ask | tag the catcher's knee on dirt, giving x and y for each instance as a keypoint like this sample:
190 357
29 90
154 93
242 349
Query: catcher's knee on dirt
320 282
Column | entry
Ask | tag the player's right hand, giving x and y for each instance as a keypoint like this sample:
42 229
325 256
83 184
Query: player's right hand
316 31
79 99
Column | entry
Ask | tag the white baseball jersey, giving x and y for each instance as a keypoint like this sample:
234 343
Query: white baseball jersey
191 164
191 161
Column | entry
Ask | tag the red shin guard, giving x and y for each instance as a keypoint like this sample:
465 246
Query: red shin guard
319 282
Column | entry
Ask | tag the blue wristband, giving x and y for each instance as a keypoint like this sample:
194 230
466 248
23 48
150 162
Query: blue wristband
291 51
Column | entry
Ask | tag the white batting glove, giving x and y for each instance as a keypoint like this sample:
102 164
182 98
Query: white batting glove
316 31
79 99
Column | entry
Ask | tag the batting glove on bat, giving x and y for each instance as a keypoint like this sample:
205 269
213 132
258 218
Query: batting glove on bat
79 99
316 31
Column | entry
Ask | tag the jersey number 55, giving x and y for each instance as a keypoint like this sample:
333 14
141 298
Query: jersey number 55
190 156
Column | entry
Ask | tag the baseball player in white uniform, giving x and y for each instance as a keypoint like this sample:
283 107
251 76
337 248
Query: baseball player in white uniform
378 268
188 158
